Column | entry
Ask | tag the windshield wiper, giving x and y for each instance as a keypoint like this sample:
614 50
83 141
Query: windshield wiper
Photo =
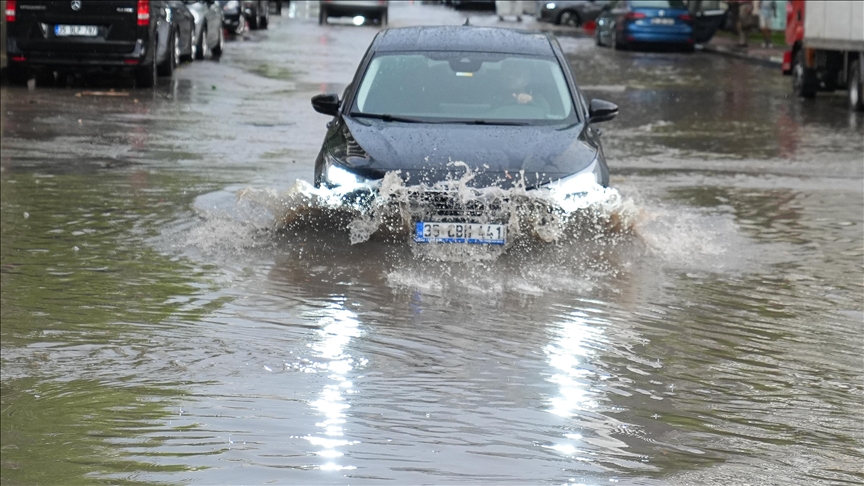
387 117
494 122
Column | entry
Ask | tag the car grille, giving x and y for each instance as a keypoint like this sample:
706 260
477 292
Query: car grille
451 206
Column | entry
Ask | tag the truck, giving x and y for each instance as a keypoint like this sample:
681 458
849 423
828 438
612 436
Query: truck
826 48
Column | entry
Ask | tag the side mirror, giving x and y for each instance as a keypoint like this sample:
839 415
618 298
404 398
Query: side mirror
600 111
327 104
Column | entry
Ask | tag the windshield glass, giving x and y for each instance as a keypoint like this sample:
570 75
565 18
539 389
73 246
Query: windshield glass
483 87
671 4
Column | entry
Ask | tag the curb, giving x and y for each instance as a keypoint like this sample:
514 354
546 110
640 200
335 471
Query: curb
726 51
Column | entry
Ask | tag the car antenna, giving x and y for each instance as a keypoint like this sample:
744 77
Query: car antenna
466 24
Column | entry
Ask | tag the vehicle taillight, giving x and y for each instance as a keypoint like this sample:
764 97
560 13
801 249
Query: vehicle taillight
686 17
634 16
10 10
144 12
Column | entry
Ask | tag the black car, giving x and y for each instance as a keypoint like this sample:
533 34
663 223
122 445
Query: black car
132 35
207 38
432 103
238 14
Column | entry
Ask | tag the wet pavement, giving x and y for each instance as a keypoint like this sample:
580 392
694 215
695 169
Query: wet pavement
160 325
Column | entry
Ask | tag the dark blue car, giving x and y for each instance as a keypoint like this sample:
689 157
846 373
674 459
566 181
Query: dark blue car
627 23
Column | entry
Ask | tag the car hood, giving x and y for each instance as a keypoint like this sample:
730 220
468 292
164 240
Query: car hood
495 154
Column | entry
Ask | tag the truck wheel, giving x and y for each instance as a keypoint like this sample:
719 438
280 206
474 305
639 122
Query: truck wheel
855 84
804 82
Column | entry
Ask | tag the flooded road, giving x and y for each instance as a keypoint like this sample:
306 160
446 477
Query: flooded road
160 325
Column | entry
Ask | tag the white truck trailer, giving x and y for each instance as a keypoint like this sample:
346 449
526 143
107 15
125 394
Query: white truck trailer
828 52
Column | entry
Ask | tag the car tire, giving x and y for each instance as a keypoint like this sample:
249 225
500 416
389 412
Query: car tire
167 67
322 16
855 85
264 21
194 48
568 17
145 76
219 48
804 83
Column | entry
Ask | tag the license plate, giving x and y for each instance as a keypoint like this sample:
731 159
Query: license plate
662 21
468 233
75 30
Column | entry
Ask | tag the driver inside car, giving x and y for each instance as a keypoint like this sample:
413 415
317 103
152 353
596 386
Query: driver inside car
517 87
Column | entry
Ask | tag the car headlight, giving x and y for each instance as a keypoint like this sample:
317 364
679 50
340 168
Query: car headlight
231 6
579 184
550 6
336 176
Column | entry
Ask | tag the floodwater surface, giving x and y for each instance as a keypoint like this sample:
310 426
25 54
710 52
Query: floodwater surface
177 307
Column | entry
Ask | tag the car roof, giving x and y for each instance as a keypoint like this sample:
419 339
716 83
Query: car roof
465 38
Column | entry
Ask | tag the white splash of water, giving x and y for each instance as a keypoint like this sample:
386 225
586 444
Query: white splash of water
391 208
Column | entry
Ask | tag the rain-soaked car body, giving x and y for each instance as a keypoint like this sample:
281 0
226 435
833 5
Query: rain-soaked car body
433 104
143 36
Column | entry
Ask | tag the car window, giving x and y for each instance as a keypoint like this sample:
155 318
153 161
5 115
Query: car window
672 4
465 86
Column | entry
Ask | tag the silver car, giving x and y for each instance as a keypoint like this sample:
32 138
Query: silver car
569 12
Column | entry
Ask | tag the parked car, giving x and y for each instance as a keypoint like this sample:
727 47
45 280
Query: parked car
473 4
502 102
627 23
240 14
184 38
142 36
376 10
208 38
569 12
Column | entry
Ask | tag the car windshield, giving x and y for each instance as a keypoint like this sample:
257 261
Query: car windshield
671 4
465 87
